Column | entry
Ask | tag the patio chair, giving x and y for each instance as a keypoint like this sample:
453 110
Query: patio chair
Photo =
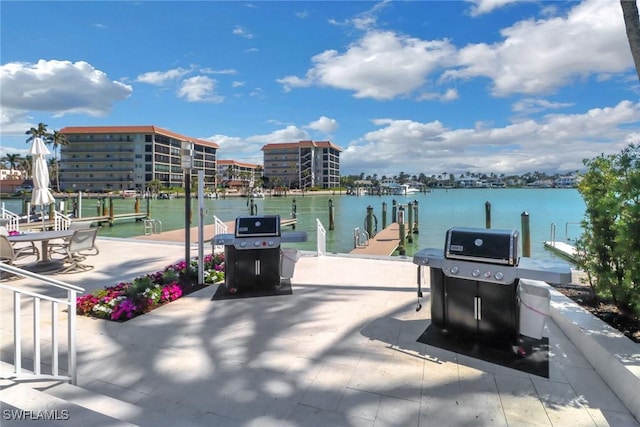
10 253
81 245
58 246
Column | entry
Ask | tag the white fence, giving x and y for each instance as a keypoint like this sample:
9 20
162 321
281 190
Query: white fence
321 238
24 298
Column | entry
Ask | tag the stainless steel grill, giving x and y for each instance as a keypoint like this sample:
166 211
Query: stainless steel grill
252 252
474 282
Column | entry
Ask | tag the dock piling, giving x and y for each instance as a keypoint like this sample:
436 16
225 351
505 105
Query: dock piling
415 222
487 214
401 246
410 223
526 234
369 221
111 211
332 224
294 212
384 215
394 210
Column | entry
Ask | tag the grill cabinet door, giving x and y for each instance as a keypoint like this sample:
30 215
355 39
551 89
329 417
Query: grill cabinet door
482 310
252 269
460 305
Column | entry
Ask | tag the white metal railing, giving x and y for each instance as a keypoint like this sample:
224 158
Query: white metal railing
552 234
68 302
152 226
220 228
566 229
360 238
61 221
13 220
321 238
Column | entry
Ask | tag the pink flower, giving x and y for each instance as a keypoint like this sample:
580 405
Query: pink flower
125 308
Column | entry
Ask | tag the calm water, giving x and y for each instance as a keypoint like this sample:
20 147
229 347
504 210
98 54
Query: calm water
438 211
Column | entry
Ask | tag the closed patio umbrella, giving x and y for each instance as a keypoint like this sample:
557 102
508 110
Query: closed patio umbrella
41 195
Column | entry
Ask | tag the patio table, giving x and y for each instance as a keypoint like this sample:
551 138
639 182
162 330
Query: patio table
44 263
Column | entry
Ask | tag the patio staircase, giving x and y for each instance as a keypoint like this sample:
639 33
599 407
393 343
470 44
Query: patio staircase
68 405
62 404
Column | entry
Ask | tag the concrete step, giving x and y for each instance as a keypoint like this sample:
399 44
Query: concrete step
31 405
95 402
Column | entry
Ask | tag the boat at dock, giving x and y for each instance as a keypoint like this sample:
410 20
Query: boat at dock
405 190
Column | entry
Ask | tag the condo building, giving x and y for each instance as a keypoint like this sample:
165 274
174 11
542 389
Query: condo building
118 158
235 174
302 164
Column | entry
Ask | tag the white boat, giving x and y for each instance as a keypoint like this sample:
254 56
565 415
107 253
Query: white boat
405 190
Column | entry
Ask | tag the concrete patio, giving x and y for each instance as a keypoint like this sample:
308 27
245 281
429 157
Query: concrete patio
340 351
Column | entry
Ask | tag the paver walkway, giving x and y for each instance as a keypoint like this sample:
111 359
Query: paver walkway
340 351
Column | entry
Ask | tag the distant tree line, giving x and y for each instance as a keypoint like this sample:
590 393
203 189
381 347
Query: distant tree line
450 179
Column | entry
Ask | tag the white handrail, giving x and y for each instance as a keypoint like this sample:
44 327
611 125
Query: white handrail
37 298
566 228
321 238
61 221
14 220
220 228
360 238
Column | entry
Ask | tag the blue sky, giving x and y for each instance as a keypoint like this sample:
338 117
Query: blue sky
496 86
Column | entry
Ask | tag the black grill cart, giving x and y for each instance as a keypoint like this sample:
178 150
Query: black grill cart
474 283
253 252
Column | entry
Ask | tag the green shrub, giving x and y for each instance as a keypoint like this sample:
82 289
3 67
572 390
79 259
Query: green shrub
609 248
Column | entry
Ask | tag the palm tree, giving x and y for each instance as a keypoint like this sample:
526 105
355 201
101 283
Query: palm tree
56 139
40 131
13 160
632 24
229 175
26 164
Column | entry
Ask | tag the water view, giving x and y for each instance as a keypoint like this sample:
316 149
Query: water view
438 211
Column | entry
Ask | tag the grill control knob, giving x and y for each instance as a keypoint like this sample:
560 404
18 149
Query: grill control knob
243 244
487 274
270 242
454 270
256 243
498 276
475 273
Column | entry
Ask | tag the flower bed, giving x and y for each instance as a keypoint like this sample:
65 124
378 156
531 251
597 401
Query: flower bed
125 301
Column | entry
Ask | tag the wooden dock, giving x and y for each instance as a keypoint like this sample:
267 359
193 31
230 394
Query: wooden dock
563 249
208 232
384 243
284 222
100 219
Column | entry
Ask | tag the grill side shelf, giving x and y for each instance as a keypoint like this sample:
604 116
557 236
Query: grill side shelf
546 270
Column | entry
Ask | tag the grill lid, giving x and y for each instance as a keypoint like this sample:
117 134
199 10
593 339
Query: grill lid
482 245
258 226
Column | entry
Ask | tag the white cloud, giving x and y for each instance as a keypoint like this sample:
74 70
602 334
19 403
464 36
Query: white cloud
535 105
324 124
538 56
557 142
381 65
161 77
534 57
239 31
250 149
486 6
60 87
199 89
